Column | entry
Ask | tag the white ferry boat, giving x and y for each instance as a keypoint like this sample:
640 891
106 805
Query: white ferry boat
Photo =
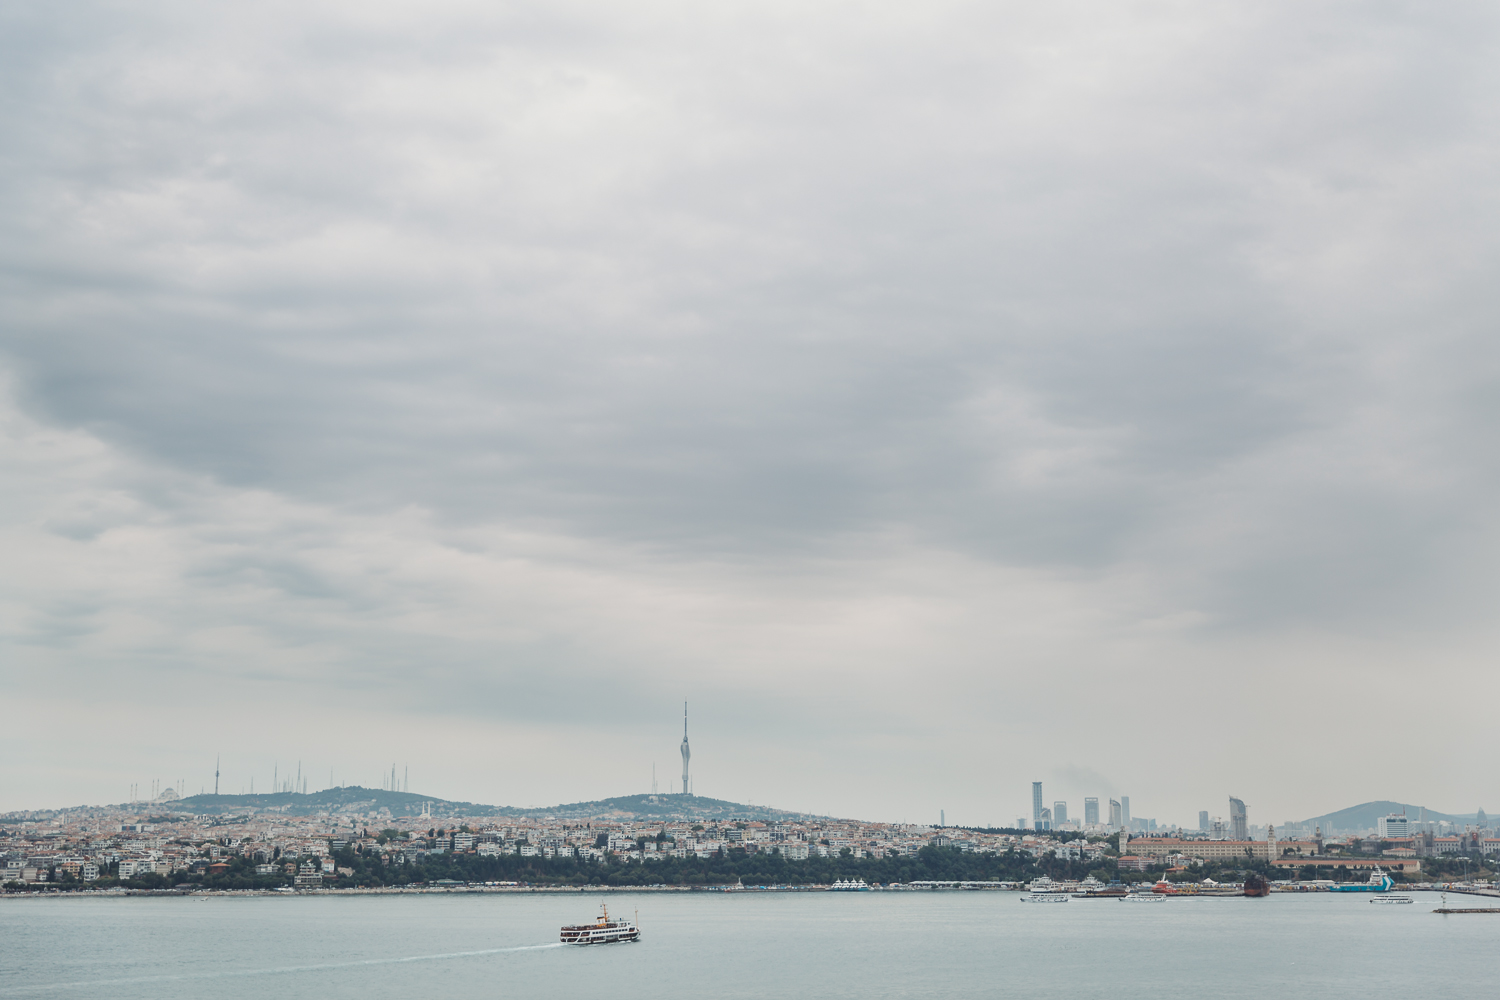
1044 890
1391 899
852 885
605 930
1143 897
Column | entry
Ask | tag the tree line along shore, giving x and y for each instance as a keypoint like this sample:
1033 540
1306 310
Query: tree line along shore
354 869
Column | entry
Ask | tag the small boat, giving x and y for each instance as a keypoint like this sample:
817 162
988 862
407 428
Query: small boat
1392 899
605 930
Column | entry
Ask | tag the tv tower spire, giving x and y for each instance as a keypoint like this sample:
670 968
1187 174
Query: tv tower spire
216 775
686 753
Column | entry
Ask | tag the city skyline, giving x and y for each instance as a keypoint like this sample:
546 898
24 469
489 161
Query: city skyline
1237 826
1233 824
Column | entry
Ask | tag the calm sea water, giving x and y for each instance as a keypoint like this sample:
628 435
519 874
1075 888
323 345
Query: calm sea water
950 944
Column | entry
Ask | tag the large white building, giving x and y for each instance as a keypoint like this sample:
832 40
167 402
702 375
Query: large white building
1392 826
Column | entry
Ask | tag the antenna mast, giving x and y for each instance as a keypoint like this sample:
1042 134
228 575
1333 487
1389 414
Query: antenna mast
686 752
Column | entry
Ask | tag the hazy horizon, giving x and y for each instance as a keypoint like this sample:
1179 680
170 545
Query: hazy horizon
938 398
146 805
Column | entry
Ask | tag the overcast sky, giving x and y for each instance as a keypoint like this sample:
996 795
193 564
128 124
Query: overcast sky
939 396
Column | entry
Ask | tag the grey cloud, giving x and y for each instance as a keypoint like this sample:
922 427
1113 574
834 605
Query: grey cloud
1196 296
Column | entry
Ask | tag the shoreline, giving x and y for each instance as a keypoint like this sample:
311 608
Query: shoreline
116 893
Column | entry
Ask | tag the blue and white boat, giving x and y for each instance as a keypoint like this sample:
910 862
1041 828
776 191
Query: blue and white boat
1379 882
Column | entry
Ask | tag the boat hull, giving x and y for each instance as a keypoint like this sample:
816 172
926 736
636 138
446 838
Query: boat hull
599 935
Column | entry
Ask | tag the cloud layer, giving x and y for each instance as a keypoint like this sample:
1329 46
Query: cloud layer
941 399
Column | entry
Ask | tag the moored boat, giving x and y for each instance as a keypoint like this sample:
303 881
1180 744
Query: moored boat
604 930
1092 888
1256 885
1379 882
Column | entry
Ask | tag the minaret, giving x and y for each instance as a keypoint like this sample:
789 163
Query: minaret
686 753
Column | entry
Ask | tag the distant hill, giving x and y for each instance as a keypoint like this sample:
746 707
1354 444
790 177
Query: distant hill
1363 816
354 798
350 798
664 807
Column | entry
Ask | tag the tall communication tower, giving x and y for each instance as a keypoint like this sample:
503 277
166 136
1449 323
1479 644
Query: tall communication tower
216 776
686 753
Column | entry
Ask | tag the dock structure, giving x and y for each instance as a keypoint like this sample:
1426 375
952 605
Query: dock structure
1469 909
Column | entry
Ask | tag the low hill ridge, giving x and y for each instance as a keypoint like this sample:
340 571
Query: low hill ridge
354 798
1364 815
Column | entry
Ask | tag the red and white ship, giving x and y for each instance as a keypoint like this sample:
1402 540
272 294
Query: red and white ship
605 930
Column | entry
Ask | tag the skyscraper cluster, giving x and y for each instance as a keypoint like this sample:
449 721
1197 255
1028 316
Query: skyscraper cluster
1055 818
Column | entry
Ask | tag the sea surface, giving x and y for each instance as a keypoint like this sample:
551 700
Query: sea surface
711 945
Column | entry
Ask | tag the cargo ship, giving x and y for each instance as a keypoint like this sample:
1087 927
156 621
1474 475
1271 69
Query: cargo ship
1256 885
1379 882
604 930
